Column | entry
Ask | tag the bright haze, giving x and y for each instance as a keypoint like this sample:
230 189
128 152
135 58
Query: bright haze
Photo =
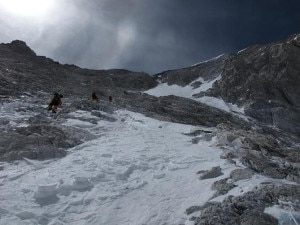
142 35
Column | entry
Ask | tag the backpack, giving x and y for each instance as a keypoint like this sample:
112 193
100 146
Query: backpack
56 99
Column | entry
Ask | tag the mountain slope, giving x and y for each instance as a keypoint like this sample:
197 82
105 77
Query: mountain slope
188 146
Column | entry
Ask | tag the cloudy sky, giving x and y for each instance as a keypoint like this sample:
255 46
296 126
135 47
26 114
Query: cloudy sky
144 35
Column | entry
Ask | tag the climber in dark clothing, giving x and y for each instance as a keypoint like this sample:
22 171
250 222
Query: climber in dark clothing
95 97
55 102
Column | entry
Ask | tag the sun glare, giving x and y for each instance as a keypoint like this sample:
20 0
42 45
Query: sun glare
28 8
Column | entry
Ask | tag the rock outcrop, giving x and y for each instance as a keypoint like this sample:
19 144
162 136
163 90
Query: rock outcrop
249 208
177 109
265 79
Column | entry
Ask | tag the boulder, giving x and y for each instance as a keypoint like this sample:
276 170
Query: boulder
214 172
241 174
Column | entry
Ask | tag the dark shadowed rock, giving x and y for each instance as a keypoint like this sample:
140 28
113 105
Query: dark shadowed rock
265 78
222 187
264 166
214 172
241 174
21 48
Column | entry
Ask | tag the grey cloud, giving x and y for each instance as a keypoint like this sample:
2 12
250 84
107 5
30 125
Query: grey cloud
152 36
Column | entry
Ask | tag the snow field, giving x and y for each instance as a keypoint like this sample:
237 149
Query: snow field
138 171
163 89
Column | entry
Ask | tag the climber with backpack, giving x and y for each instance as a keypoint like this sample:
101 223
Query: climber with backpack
95 97
55 102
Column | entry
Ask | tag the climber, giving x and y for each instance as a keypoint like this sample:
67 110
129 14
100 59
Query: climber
95 97
110 98
55 102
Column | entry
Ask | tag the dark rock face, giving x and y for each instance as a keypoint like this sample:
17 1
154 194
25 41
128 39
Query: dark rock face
265 79
263 165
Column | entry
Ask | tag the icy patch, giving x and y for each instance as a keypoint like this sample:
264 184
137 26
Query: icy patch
285 214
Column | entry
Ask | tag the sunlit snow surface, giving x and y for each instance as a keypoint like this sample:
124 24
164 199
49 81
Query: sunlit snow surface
138 171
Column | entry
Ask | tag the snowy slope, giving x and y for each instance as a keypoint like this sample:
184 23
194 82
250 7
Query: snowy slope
137 171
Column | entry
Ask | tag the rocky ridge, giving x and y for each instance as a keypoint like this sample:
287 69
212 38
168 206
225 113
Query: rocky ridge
21 71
